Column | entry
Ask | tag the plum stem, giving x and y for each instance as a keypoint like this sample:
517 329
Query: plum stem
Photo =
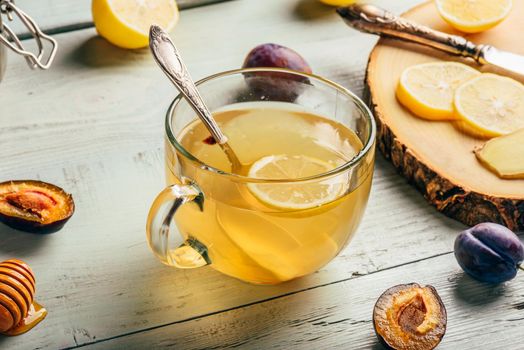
520 267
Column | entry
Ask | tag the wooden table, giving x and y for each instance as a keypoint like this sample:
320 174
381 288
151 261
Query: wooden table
93 125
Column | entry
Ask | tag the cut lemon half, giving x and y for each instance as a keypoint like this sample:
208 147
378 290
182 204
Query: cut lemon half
490 105
427 89
473 16
125 23
289 195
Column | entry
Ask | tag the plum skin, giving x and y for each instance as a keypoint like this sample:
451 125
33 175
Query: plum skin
277 86
489 252
274 55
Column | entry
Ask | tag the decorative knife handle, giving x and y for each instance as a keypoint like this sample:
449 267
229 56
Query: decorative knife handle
372 19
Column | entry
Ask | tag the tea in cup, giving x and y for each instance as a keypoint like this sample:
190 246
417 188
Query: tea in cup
296 201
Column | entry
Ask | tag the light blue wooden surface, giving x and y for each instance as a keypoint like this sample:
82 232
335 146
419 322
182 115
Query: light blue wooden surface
93 125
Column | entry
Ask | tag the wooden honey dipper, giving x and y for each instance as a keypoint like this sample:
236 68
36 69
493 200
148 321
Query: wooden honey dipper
18 310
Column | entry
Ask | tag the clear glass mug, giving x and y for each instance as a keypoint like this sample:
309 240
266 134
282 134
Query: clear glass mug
207 216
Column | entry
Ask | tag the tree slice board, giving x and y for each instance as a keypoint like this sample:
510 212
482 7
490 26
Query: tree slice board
435 156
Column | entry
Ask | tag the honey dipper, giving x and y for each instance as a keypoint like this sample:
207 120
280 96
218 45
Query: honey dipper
18 310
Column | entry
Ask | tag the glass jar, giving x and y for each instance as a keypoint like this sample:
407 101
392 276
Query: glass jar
46 45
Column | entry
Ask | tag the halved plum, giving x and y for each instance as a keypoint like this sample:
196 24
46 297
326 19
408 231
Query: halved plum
409 316
34 206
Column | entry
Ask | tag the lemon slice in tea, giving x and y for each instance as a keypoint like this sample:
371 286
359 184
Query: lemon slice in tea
427 89
303 195
490 105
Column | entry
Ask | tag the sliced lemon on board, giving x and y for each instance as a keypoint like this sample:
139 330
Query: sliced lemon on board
427 89
303 195
473 16
125 23
490 105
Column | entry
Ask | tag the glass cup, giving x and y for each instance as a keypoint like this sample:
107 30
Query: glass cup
208 216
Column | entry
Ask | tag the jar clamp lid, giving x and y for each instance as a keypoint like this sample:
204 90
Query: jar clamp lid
41 59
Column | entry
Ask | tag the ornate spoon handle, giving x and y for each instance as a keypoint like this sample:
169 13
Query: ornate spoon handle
168 58
374 20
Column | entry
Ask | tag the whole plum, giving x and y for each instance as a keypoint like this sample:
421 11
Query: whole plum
489 252
274 55
276 85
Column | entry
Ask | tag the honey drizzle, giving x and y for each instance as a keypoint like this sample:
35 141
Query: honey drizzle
34 316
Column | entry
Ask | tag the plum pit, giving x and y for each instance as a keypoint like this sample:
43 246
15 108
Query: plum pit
34 206
409 316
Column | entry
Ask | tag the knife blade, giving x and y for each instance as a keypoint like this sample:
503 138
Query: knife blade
503 59
372 19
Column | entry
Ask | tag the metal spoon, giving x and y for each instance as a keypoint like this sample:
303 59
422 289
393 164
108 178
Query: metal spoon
168 58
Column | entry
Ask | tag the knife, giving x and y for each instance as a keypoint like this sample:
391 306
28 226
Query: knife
372 19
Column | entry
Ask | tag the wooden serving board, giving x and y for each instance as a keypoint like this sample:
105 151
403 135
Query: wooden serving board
435 156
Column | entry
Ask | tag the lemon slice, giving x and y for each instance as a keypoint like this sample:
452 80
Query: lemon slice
292 196
473 16
490 105
427 89
125 23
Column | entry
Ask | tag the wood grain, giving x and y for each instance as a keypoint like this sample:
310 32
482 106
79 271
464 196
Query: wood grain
339 316
452 179
93 125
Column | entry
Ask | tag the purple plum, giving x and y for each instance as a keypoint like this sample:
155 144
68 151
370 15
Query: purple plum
274 55
489 252
276 86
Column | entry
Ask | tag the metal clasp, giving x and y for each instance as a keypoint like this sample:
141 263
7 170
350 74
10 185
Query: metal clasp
9 38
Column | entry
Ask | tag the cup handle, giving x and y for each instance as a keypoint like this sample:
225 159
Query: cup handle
170 247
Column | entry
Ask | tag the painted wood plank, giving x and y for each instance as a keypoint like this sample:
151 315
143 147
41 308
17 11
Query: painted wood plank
57 16
98 278
93 125
338 316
